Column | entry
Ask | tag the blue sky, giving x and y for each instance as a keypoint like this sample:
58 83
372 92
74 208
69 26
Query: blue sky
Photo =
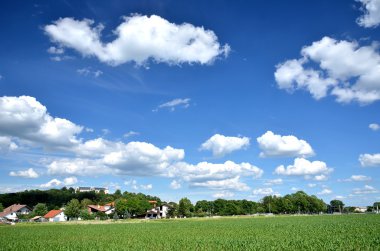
217 99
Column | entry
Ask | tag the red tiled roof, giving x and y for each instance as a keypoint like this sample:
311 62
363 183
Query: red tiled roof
98 208
15 208
52 213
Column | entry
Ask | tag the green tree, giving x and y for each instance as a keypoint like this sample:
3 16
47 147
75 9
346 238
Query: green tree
40 209
336 205
85 202
1 207
72 209
185 207
120 207
117 193
85 215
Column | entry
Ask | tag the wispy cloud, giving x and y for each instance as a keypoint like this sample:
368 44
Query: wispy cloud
173 104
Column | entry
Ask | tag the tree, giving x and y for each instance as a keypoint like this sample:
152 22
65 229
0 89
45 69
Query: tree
85 215
85 202
117 193
173 210
336 205
120 206
1 207
40 209
185 207
72 209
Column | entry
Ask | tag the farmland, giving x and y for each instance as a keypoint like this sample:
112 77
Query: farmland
342 232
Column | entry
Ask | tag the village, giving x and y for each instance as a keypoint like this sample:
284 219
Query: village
20 212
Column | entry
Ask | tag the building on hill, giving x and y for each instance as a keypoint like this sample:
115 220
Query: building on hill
157 212
55 216
360 209
108 208
12 212
91 189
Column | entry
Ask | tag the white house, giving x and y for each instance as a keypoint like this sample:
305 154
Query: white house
157 212
55 216
360 209
91 189
108 208
12 212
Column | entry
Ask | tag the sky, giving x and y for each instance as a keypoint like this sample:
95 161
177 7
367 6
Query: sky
199 99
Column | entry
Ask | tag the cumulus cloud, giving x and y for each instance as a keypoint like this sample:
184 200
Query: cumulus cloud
173 104
311 185
221 145
29 173
52 183
55 50
69 181
354 77
370 160
263 191
374 127
135 186
27 119
130 134
175 185
87 71
325 191
304 167
371 16
138 39
273 182
273 145
6 144
357 178
365 190
223 194
226 184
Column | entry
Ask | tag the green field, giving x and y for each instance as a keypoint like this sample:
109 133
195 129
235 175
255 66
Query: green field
340 232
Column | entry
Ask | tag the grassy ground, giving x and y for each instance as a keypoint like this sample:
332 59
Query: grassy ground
340 232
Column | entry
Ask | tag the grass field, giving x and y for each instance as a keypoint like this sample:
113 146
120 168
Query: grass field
340 232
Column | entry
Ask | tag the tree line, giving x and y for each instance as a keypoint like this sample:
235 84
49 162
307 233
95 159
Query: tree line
129 204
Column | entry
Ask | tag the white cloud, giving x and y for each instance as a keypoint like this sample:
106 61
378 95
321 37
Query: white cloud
6 144
223 194
321 177
221 145
357 178
370 160
366 190
27 119
130 134
134 185
77 166
69 181
175 185
29 173
55 50
304 167
210 171
52 183
311 185
294 189
339 197
371 16
273 182
273 145
263 191
138 39
374 126
226 184
354 77
88 72
325 191
173 104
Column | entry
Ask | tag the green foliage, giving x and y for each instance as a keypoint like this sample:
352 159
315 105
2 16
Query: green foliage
73 208
336 205
85 215
173 210
85 202
1 207
40 209
120 206
185 207
341 232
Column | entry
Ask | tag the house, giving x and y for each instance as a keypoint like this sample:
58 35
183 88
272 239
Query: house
91 189
360 209
37 219
12 212
108 208
55 216
157 212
